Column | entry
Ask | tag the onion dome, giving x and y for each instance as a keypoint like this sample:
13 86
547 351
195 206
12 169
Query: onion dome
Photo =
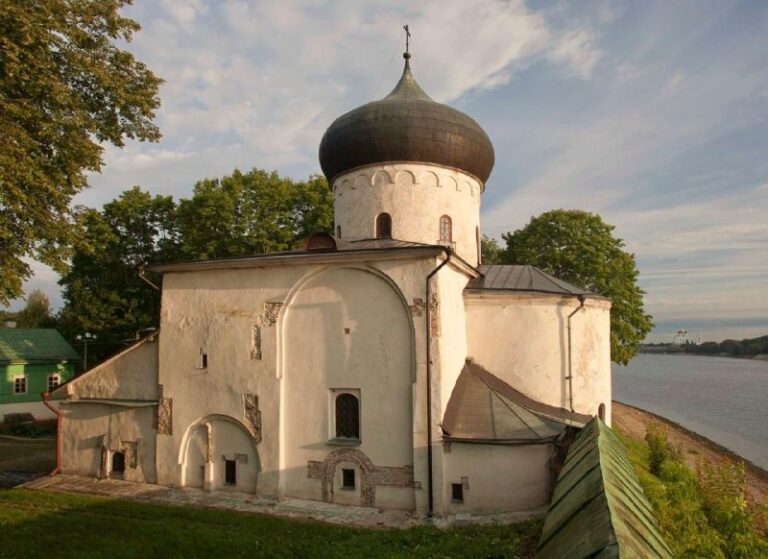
406 125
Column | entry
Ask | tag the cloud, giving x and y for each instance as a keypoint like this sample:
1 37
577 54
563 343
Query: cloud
577 51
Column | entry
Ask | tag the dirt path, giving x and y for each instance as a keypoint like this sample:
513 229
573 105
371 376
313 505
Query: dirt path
693 446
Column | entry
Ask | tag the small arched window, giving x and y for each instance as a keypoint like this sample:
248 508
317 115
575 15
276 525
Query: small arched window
601 412
383 226
338 231
347 416
446 229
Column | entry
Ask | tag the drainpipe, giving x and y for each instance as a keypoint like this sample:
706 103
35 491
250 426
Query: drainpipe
58 433
570 360
430 510
140 271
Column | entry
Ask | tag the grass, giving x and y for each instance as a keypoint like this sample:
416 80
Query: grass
703 513
46 524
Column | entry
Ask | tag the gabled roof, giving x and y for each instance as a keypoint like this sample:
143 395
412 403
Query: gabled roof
485 409
598 508
34 345
523 278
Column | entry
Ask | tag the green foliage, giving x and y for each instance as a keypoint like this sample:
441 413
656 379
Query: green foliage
579 247
252 213
700 515
65 89
36 313
237 215
658 447
490 250
732 348
102 291
33 523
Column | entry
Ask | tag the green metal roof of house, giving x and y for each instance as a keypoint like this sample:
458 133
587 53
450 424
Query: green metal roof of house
34 345
598 509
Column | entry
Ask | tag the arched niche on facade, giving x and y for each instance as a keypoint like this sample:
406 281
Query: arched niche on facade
344 328
218 453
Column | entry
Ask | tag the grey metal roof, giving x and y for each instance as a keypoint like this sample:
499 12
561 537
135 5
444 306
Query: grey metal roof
377 248
485 409
406 125
522 278
598 507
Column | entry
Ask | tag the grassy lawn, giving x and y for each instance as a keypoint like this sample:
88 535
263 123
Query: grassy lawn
41 524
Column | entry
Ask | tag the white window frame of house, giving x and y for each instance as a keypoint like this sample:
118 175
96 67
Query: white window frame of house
56 383
333 438
26 384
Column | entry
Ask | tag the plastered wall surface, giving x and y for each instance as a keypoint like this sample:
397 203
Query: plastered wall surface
416 196
87 429
360 326
497 478
523 339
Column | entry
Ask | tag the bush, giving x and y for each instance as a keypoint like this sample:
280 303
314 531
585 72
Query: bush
703 513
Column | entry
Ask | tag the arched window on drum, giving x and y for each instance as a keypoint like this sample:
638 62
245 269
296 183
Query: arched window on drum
446 229
383 226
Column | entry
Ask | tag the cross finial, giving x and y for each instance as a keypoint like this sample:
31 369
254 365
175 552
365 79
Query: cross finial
407 53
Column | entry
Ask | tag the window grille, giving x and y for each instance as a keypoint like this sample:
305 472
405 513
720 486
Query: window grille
347 416
53 382
446 229
20 385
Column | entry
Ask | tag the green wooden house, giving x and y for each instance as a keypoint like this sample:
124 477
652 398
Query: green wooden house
32 361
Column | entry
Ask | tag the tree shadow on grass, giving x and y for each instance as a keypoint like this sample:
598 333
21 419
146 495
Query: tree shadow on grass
46 524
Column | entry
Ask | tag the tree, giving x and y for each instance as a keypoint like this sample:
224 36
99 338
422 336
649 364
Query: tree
36 313
579 247
490 250
102 291
65 89
237 215
252 213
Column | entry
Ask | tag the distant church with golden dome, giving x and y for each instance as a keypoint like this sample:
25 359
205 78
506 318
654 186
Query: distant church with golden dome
382 366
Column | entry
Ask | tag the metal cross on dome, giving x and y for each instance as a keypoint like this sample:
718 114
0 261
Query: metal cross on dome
407 41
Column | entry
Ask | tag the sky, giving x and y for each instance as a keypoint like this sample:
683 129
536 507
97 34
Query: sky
653 114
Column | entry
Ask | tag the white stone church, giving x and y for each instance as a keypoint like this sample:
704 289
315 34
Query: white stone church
383 366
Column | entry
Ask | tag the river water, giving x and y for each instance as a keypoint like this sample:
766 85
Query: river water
723 399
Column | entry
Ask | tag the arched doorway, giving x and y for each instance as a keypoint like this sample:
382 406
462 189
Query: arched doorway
219 454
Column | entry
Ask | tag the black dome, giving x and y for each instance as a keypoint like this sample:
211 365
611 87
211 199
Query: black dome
406 125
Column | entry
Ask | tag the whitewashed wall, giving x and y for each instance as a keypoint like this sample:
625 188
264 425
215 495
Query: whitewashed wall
416 196
523 339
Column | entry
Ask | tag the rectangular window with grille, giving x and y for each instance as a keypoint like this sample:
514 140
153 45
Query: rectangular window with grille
20 385
53 382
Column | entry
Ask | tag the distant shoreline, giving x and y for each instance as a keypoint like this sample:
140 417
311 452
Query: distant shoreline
663 350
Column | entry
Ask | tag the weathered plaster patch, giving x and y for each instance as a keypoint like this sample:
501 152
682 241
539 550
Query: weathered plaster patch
256 343
434 314
417 308
270 314
252 415
165 416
